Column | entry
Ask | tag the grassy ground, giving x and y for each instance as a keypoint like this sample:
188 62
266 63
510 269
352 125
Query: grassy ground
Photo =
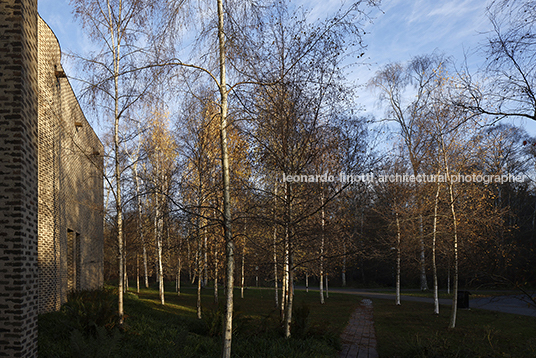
444 294
412 330
152 330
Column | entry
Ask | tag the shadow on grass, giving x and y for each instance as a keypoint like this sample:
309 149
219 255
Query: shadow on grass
412 330
172 330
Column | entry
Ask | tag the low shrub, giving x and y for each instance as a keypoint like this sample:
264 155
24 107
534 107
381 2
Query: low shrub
87 310
300 320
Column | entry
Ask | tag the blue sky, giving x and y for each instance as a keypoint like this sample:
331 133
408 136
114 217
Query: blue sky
402 29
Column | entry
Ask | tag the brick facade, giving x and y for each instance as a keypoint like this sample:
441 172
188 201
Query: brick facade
50 181
70 185
18 178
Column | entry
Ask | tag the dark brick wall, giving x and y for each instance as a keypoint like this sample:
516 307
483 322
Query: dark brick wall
18 178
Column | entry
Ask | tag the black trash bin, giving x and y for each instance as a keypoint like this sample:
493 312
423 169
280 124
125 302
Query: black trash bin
463 299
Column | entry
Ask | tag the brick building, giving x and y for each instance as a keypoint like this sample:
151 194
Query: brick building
51 227
70 196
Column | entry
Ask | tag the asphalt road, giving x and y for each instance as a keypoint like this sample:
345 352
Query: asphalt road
516 304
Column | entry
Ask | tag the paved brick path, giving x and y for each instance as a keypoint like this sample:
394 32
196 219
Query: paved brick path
358 339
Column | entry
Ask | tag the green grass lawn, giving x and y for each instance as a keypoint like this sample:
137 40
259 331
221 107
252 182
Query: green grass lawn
153 330
443 294
412 330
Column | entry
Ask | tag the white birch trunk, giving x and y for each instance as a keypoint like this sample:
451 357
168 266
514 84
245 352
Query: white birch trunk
196 264
327 286
454 310
178 285
199 273
306 282
146 271
199 310
288 316
276 285
189 257
140 224
216 264
115 47
125 269
289 262
322 238
158 229
155 229
344 264
205 262
284 289
160 274
455 291
434 264
398 269
242 271
228 323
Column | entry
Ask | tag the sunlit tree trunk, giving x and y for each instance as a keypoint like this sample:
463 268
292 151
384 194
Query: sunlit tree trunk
289 269
434 264
137 274
125 269
289 261
454 310
140 223
398 236
205 259
145 269
199 272
216 272
287 283
189 260
306 281
276 284
242 270
178 283
361 259
228 323
288 315
216 263
158 230
118 205
155 233
455 233
322 238
284 287
327 285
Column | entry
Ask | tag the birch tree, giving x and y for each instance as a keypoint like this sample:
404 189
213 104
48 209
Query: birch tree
505 86
161 154
289 105
114 82
450 128
394 82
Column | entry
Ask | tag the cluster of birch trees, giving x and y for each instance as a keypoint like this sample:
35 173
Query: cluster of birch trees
208 106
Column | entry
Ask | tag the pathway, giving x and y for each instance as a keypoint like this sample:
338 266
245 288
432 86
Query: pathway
358 338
